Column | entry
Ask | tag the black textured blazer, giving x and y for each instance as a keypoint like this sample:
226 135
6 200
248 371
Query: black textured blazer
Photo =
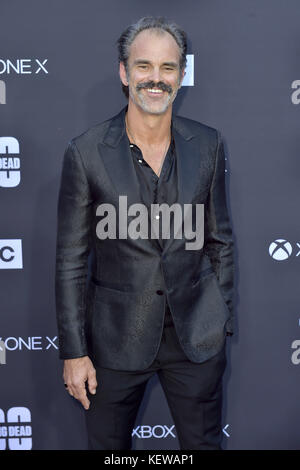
114 313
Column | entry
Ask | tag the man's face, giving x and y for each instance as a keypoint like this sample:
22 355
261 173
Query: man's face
153 75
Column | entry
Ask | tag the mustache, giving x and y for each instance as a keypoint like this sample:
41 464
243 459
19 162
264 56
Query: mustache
151 84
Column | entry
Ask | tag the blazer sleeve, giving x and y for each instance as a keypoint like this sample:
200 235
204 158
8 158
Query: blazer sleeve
218 233
73 242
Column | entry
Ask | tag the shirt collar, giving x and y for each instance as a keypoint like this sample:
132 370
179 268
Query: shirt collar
172 144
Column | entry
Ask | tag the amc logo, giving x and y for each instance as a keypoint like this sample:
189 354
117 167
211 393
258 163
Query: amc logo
11 254
159 431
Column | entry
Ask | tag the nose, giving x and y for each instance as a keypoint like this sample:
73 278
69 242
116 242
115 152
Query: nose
155 75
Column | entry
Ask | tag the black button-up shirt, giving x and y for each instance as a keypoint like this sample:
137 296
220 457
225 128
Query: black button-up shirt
157 189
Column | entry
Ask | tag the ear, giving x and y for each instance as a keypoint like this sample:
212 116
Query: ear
123 75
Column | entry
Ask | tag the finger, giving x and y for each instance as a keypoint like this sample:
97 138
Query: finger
70 391
80 395
85 402
92 382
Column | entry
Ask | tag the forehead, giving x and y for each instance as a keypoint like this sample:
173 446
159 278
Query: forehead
154 46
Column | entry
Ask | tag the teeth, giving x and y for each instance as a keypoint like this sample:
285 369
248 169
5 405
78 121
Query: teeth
152 90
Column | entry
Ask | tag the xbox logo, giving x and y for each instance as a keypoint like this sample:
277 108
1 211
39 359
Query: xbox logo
280 249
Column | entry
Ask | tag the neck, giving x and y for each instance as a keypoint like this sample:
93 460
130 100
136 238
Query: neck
150 129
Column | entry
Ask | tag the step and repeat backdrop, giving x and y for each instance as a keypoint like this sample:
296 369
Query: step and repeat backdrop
58 77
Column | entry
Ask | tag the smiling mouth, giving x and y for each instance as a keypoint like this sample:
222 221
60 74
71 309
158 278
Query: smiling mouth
154 92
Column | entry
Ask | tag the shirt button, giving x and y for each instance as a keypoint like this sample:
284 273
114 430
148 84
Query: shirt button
131 145
157 216
140 161
160 292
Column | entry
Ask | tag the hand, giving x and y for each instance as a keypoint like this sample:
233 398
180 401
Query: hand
76 372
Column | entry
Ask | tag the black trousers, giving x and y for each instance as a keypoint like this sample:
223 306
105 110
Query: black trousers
193 392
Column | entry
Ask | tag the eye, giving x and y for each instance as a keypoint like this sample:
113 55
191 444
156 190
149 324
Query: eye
143 67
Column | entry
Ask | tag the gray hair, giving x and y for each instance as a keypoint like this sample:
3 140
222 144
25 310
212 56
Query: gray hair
160 24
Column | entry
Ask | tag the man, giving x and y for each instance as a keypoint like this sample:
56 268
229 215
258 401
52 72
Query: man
150 305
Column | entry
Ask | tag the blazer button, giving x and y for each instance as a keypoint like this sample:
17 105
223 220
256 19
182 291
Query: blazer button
160 292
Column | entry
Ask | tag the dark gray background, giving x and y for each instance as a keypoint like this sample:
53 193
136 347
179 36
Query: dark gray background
246 57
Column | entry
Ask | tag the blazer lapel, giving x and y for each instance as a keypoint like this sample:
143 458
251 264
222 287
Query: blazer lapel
116 156
187 154
117 159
